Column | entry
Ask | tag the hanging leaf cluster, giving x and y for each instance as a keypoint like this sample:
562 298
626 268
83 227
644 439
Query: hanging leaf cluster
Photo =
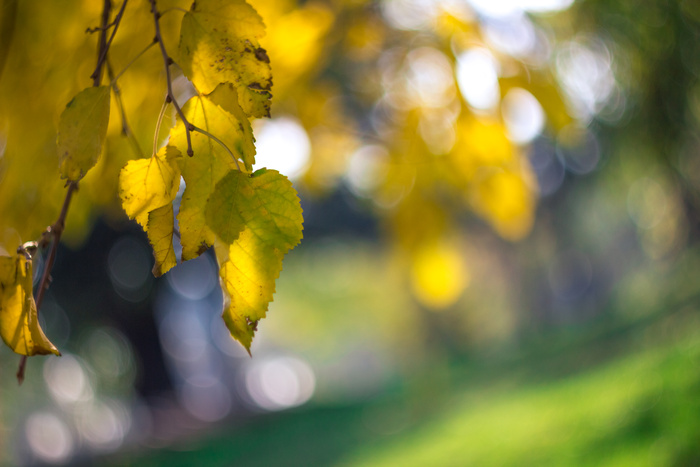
250 219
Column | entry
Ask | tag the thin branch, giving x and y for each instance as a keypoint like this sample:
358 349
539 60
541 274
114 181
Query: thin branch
169 61
206 133
55 230
126 129
104 46
132 61
99 28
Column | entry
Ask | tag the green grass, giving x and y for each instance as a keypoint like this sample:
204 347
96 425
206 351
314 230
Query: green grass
639 406
640 410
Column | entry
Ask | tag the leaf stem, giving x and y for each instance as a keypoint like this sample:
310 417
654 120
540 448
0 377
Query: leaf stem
169 61
126 129
175 8
133 60
206 133
160 121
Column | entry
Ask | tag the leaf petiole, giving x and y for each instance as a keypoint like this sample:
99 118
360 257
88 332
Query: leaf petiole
160 121
223 145
114 80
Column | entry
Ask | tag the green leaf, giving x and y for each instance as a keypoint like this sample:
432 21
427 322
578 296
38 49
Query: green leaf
148 184
258 219
19 324
160 227
209 163
81 132
219 43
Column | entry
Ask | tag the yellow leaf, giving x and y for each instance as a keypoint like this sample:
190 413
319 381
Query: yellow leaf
242 139
219 43
82 131
160 227
19 324
148 184
266 207
209 163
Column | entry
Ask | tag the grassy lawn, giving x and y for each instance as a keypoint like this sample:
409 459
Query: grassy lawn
638 407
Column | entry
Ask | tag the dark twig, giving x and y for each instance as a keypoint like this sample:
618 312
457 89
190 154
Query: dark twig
126 129
105 44
169 61
55 231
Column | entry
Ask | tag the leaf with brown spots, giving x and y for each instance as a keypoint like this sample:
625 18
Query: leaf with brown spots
219 43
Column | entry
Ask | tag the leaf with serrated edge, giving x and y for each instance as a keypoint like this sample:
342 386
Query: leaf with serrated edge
19 323
148 184
81 132
219 43
159 229
209 163
268 209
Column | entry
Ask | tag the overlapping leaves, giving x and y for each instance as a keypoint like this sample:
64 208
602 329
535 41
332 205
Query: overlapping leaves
252 220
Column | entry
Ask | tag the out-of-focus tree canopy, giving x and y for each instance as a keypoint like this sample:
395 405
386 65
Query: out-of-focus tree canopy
423 109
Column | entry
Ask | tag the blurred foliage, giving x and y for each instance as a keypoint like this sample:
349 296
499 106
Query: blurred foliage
381 104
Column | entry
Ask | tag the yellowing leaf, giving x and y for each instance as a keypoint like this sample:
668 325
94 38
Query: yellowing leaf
226 205
19 324
267 207
82 131
160 227
148 184
209 163
219 43
242 139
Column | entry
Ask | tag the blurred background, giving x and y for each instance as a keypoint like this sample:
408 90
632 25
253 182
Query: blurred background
500 262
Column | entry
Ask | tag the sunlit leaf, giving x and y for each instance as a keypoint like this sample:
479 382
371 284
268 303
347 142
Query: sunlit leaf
242 139
219 43
267 207
148 184
160 227
210 162
19 324
82 131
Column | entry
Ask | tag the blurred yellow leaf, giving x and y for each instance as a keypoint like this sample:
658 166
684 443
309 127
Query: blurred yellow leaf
148 184
296 36
19 324
81 132
219 43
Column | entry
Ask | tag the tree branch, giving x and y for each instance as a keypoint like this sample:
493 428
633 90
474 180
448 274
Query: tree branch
56 229
169 61
103 43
